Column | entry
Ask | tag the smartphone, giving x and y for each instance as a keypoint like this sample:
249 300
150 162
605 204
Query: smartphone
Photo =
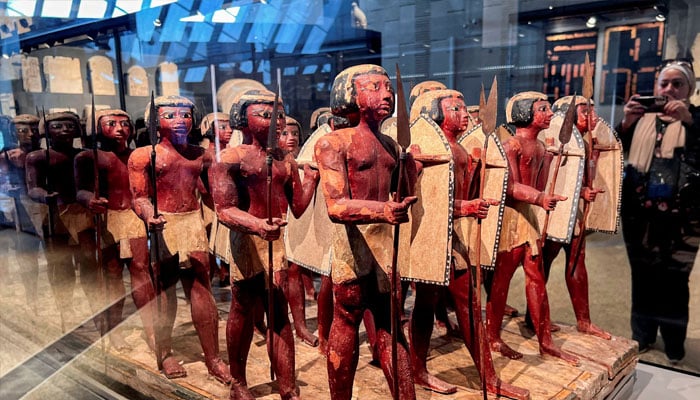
651 103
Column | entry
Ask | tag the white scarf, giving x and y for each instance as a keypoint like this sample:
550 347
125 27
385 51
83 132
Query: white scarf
644 141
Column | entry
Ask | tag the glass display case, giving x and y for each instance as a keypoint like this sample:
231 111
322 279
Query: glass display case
63 55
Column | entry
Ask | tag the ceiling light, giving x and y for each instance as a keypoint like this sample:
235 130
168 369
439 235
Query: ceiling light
156 22
198 17
592 21
660 17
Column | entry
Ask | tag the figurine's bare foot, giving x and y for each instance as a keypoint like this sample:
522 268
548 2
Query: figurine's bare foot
239 391
116 340
431 382
172 368
220 371
592 329
450 327
500 388
555 351
306 336
505 350
511 311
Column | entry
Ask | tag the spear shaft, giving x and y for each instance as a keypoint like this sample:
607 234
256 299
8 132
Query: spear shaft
403 137
590 161
271 140
98 224
49 185
155 245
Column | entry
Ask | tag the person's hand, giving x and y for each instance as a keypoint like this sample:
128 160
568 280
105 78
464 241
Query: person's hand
678 109
311 173
16 157
397 213
479 208
549 201
414 149
270 232
589 194
98 206
633 110
51 198
156 223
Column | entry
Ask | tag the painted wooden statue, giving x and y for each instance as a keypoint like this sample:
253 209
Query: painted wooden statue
356 166
449 116
529 163
50 181
178 230
124 238
240 187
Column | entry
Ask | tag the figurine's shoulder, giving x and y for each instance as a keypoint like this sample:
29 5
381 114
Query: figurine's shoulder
513 144
141 156
337 140
232 155
36 156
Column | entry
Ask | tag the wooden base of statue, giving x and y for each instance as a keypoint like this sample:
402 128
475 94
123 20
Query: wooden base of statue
607 367
604 364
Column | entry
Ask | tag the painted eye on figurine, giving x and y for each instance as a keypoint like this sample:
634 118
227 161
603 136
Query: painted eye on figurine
375 86
62 125
268 114
23 130
167 115
370 87
112 123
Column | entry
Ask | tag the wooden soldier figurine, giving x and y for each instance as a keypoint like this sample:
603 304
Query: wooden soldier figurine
28 214
50 181
440 308
240 187
213 125
297 277
123 235
528 165
178 228
448 110
356 166
12 165
575 265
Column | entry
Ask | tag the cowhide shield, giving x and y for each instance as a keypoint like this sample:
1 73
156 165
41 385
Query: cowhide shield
604 212
562 220
431 216
495 185
307 239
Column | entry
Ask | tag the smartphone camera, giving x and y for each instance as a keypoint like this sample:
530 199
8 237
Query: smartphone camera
651 103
